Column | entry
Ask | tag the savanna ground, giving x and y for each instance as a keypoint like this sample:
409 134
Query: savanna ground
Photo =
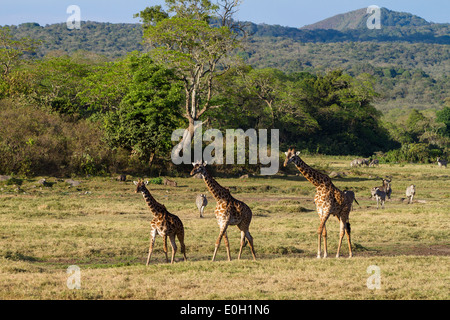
102 227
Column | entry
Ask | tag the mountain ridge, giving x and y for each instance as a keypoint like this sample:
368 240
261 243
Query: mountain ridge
357 19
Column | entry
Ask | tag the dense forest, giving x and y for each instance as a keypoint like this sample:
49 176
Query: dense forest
105 99
410 64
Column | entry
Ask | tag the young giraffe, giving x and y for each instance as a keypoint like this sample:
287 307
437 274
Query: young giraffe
329 201
164 223
229 211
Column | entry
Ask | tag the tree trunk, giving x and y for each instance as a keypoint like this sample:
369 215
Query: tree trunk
150 161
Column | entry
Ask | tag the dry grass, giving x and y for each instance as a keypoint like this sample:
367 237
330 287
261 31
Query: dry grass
103 227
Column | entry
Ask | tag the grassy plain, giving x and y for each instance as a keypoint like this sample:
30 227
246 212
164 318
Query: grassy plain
102 226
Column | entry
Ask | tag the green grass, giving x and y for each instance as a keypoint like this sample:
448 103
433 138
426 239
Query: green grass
103 227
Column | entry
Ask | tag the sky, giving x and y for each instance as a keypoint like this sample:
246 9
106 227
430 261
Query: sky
291 13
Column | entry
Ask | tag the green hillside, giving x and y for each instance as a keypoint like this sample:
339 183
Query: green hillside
112 40
408 56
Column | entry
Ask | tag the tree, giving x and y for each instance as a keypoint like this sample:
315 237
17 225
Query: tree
104 89
195 49
148 114
56 82
283 104
443 116
417 124
11 50
10 53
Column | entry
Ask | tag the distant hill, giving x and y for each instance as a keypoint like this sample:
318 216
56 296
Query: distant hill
112 40
357 19
116 39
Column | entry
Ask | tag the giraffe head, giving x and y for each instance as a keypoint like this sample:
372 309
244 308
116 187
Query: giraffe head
291 155
140 185
199 167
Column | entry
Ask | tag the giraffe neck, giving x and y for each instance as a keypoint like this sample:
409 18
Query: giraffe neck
218 192
155 206
315 177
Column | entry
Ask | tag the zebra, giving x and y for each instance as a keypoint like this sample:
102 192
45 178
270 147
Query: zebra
201 203
386 188
410 192
441 162
379 195
374 163
359 162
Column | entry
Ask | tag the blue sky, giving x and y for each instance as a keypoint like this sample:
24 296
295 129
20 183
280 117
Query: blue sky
292 13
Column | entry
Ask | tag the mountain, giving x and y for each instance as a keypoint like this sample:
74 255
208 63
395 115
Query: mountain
352 26
357 19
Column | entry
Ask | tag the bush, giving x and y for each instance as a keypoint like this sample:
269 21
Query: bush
156 181
412 152
33 142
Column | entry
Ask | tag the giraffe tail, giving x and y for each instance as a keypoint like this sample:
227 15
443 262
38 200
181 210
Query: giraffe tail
348 228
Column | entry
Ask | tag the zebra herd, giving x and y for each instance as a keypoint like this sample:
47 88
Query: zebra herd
380 193
375 162
364 162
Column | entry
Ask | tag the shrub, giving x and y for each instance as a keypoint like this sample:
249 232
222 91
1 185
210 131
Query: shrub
35 142
156 181
412 152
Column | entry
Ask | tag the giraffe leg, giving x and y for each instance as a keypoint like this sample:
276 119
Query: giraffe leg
341 236
250 241
325 248
152 242
242 244
180 237
348 231
165 248
221 233
174 247
227 245
322 231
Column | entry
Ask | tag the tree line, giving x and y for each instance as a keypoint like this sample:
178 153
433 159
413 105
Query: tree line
84 114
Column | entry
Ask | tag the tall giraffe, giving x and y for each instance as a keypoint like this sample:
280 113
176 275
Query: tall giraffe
229 211
164 223
329 201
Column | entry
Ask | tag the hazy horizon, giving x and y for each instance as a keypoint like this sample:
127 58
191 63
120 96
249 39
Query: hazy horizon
290 13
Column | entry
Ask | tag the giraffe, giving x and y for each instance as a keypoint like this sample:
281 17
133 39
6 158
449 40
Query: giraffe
229 211
329 200
163 223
